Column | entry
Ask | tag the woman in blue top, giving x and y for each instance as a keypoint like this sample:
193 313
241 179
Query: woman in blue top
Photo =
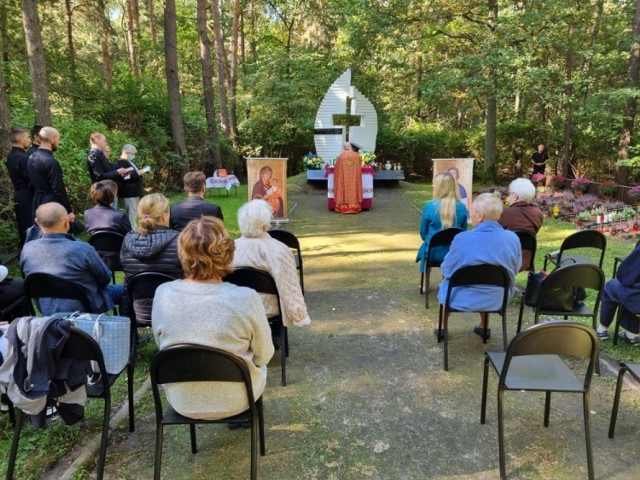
444 211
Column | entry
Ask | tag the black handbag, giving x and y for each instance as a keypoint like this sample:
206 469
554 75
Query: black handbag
558 299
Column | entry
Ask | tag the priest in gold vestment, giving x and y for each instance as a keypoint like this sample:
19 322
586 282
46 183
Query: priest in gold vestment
347 185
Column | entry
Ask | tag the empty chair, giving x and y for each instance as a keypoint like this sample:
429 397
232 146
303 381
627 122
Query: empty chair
484 274
108 245
79 346
634 371
44 285
141 288
582 239
291 241
533 362
191 363
528 244
262 282
443 238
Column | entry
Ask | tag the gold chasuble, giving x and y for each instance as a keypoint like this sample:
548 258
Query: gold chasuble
347 186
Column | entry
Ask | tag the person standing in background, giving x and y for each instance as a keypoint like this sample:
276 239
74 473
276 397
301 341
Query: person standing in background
539 160
35 139
130 187
19 174
45 174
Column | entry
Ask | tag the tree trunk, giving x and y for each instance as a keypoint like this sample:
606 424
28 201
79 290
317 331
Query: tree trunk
5 118
629 113
233 74
135 10
490 145
72 55
37 68
568 98
152 22
106 57
207 82
173 81
221 63
133 64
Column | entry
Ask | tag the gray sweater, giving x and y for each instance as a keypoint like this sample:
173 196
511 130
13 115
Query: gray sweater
222 316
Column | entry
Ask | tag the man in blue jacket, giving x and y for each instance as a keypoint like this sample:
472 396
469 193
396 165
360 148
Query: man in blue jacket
488 243
58 253
624 290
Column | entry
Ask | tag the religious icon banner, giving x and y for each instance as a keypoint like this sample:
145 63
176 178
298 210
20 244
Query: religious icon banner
267 180
462 170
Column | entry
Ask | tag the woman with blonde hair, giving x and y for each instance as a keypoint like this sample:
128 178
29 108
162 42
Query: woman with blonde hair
444 211
152 247
204 310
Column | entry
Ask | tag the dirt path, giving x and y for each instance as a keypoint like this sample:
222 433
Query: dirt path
367 396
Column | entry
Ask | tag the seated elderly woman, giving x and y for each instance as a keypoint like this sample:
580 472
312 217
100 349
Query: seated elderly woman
521 214
102 216
623 291
257 249
489 243
204 310
153 247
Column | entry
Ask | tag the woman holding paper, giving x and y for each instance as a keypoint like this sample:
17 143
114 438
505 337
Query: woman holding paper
130 187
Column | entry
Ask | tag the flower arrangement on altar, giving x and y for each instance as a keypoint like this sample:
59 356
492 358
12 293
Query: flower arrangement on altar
312 161
559 181
367 157
580 184
608 187
634 193
538 178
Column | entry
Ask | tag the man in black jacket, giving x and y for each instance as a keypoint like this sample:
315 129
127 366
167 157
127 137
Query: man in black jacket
45 174
98 164
35 139
194 205
17 168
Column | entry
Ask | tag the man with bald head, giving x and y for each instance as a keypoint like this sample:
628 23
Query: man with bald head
45 173
488 243
59 254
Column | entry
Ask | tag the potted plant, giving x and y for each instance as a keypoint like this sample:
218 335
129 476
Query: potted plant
579 185
634 194
367 157
313 162
608 189
559 182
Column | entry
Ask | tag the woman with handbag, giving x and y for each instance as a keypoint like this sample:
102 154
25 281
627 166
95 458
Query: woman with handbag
444 211
204 310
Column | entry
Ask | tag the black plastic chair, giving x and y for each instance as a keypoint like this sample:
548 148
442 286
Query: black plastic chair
142 286
581 239
533 362
291 241
622 311
192 363
634 371
484 274
618 260
578 275
108 245
529 243
9 312
44 285
443 238
79 346
262 282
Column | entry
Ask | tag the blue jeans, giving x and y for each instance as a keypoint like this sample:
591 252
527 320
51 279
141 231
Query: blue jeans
115 293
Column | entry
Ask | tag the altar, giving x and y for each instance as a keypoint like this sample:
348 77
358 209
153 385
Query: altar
367 187
228 182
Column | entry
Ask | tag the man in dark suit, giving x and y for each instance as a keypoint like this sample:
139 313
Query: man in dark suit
194 205
35 139
45 173
19 175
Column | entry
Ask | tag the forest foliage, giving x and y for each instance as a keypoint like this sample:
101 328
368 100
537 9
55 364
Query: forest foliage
488 79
